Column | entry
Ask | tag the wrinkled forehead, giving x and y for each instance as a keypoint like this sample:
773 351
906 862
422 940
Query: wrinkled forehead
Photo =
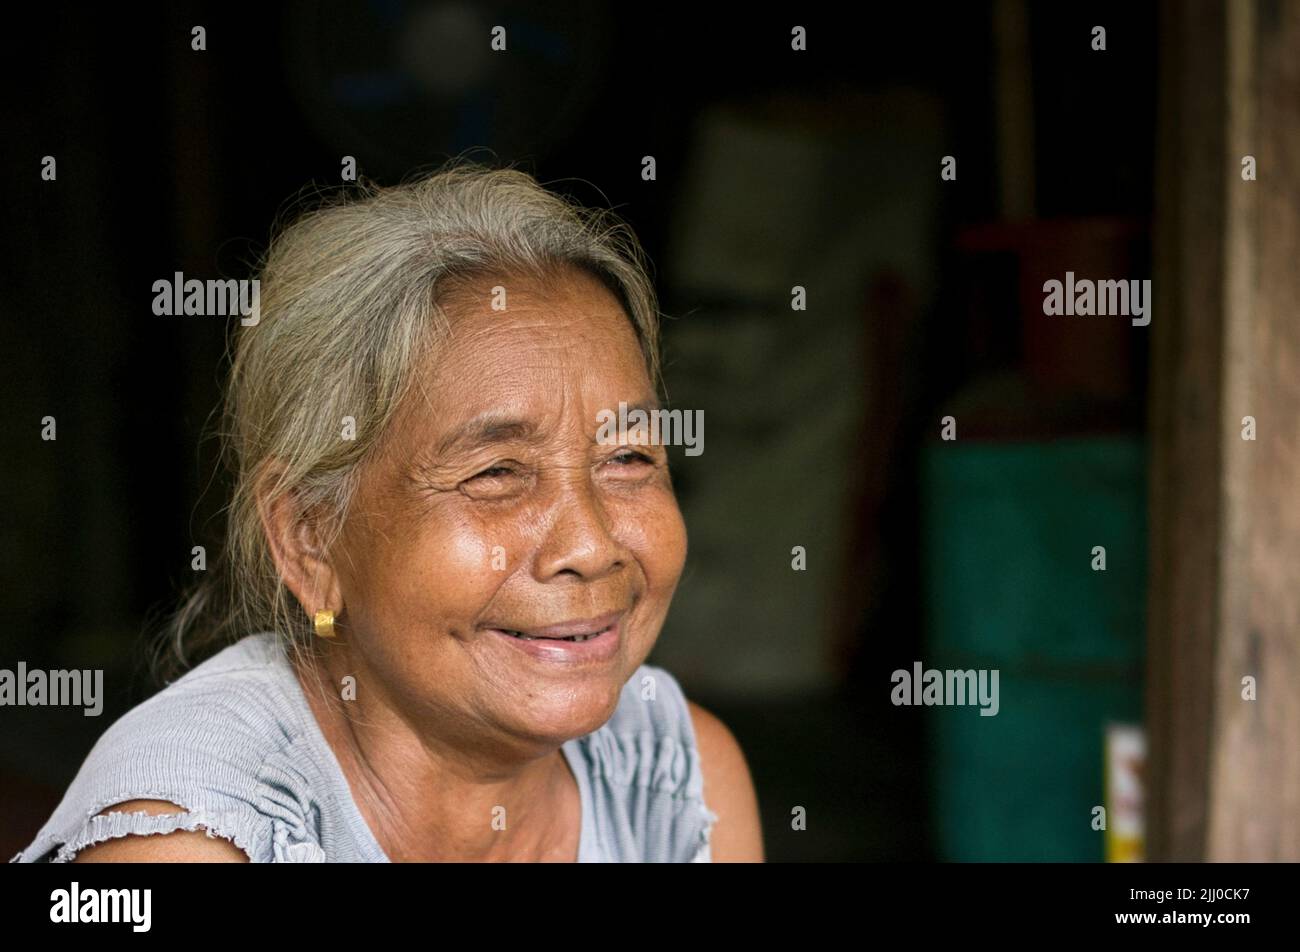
522 349
498 323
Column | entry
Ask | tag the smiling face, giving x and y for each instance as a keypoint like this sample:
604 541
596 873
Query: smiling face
494 507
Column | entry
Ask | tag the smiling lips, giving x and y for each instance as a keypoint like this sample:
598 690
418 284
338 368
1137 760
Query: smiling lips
572 644
575 632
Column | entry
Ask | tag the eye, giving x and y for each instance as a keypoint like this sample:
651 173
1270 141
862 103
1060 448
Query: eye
630 458
498 473
502 480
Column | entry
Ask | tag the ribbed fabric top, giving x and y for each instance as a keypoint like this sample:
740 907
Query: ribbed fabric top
235 743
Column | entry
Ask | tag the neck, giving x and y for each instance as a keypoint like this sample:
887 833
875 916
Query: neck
436 786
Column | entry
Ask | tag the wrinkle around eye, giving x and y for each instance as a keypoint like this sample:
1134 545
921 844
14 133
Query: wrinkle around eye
423 476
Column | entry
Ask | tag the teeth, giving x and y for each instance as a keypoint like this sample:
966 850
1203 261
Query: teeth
573 638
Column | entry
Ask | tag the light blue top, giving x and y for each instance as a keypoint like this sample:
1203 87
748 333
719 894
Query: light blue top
235 743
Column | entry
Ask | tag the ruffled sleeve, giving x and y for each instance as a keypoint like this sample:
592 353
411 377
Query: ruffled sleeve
294 846
245 830
207 750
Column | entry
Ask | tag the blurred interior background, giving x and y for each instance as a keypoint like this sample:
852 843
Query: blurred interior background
774 169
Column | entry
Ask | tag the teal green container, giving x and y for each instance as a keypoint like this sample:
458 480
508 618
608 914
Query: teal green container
1009 531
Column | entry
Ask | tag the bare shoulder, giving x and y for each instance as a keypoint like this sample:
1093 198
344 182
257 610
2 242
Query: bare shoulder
728 790
179 846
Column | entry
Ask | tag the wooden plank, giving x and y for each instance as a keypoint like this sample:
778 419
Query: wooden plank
1224 771
1254 811
1185 467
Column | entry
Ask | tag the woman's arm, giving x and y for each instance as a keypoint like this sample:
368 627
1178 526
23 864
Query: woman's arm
728 791
179 846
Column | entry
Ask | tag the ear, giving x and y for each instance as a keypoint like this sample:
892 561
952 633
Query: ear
298 551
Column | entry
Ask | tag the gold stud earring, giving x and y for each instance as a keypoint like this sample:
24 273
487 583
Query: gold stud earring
325 623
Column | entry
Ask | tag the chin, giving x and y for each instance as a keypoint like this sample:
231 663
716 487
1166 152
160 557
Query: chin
567 712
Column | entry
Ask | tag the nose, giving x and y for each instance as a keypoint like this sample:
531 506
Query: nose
580 540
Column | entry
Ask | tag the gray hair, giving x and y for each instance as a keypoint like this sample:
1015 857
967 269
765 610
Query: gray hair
352 296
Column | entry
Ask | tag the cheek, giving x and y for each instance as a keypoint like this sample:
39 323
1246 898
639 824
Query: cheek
657 534
444 572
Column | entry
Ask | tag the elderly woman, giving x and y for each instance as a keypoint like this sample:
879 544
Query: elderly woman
440 586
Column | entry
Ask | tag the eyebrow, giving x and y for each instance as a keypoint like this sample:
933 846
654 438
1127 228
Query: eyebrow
498 427
649 405
485 430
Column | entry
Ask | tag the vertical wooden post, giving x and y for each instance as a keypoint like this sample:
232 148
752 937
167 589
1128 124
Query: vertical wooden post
1255 777
1224 777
